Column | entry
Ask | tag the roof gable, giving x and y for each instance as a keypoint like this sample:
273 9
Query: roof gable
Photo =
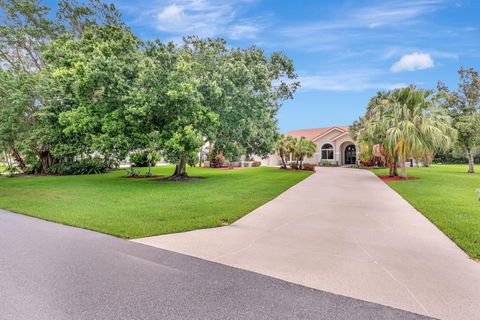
316 133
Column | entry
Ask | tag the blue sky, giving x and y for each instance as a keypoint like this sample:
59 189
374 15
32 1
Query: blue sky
344 51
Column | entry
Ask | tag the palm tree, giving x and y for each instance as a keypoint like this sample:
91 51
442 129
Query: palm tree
290 147
282 146
286 146
304 149
371 132
407 124
417 125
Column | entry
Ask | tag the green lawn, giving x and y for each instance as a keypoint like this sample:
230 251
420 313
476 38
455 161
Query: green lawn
446 195
133 208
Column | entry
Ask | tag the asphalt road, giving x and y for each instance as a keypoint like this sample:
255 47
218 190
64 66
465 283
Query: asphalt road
50 271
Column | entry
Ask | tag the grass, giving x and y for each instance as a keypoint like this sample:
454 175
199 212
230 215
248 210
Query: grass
447 196
133 208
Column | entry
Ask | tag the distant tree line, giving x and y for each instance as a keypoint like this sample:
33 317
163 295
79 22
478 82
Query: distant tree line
80 83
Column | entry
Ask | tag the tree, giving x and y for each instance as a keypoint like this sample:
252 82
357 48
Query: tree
27 33
252 88
89 86
406 124
282 147
301 149
371 135
25 30
170 105
463 106
93 76
202 91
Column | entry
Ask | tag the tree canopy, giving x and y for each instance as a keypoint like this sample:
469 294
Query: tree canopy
82 84
402 124
463 106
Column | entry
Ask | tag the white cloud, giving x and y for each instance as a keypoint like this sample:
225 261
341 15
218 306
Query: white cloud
376 22
352 80
205 18
371 16
244 31
412 62
394 13
172 12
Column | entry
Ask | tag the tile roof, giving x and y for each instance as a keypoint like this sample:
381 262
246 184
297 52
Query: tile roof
310 134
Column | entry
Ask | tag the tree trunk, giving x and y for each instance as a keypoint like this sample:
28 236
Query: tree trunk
200 157
404 168
471 165
391 171
426 160
282 156
180 170
395 168
18 159
47 160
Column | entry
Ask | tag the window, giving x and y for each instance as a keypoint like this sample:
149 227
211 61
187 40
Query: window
327 152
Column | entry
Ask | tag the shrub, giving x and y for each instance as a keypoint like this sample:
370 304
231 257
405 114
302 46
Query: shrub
373 162
326 163
216 161
133 173
11 169
85 166
33 167
140 159
256 164
309 166
59 168
293 165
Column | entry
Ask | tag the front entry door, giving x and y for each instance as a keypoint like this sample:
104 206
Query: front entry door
350 155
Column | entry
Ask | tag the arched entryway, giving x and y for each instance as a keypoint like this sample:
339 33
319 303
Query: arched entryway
350 156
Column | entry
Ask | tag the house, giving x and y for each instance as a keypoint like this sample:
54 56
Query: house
334 145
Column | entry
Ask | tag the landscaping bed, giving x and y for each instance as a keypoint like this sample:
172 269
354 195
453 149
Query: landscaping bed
396 178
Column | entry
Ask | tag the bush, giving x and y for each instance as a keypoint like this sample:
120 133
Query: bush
133 173
11 169
140 159
86 166
33 167
456 156
293 165
374 162
309 166
216 161
326 163
256 164
59 168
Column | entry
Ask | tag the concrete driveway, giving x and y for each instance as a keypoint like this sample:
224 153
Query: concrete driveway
54 272
344 231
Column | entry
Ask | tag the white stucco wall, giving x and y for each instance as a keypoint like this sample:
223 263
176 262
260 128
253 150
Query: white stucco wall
338 144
